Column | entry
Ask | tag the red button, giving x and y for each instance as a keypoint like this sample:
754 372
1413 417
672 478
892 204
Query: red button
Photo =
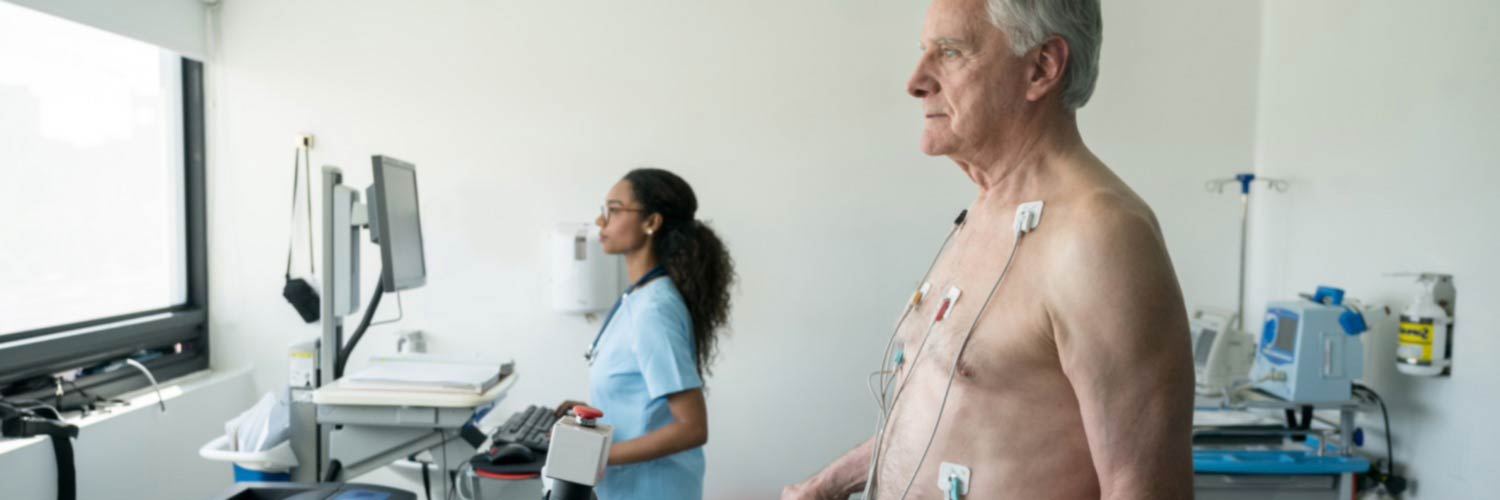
588 412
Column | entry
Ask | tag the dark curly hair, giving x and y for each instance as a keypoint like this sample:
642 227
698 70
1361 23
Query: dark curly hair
694 257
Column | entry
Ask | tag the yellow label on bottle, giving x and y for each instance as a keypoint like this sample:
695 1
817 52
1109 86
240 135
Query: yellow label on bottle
1415 340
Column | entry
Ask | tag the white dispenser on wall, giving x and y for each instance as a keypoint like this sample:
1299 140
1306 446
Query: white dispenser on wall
1425 341
585 280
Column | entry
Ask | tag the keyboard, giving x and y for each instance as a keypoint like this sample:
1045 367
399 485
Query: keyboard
531 428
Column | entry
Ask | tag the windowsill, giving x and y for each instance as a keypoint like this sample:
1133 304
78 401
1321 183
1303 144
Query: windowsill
140 400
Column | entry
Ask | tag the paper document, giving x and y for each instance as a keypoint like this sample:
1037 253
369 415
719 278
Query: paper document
425 375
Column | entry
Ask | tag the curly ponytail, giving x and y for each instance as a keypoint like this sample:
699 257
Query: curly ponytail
693 255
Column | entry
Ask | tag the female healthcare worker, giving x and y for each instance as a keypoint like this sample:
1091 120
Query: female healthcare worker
647 363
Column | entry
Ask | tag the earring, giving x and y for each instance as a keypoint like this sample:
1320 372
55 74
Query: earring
648 232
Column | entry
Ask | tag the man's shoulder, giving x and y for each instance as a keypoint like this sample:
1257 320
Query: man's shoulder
1105 239
1102 217
1109 254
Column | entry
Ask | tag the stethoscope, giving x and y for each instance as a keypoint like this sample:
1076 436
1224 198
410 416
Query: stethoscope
654 273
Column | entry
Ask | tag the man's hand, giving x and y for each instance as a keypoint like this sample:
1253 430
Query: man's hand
806 490
840 479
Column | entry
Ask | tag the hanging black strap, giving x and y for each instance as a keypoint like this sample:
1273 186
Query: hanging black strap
301 160
67 475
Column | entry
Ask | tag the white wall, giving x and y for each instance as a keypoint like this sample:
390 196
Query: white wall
1174 108
177 25
788 117
1383 115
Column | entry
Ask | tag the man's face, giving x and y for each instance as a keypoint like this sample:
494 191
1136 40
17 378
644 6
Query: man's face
970 83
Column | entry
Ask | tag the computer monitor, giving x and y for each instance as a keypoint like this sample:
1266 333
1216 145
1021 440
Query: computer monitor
397 224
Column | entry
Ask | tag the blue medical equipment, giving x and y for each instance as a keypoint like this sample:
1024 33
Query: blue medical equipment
1310 350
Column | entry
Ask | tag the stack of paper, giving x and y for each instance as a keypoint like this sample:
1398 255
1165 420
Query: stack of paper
424 375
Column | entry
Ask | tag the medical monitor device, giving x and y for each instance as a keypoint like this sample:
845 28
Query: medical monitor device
1221 354
1310 350
1205 326
390 211
396 224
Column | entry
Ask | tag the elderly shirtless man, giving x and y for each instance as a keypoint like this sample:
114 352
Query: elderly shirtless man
1077 381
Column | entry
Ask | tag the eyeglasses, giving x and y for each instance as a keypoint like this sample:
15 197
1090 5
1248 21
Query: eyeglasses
606 211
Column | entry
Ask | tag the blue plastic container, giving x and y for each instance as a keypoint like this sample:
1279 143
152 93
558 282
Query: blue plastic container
244 475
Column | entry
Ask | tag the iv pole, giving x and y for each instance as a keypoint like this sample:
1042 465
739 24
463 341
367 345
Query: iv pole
1244 180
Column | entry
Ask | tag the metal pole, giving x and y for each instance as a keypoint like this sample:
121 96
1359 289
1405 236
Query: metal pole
328 351
1244 180
332 318
1244 238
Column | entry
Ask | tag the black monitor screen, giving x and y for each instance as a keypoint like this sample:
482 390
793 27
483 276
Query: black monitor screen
399 224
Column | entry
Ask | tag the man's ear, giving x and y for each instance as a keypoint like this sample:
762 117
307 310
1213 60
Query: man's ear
1049 64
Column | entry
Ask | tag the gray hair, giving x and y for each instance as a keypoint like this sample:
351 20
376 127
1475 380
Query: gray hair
1028 22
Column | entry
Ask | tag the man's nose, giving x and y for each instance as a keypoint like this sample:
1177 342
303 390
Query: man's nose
922 84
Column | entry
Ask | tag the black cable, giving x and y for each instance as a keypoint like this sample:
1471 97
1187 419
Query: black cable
335 467
1390 452
452 485
90 401
1307 421
359 332
77 389
426 479
1294 424
31 406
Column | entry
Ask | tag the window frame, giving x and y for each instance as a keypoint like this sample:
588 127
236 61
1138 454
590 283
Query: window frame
44 351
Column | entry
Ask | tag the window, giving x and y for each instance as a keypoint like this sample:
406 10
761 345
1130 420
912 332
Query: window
101 202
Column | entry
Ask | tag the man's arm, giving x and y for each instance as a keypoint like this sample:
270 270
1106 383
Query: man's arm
1122 337
843 477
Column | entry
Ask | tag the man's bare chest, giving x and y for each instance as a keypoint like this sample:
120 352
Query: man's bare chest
999 325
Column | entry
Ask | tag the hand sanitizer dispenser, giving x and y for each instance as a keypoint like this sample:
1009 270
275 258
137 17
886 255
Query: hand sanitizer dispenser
1425 342
585 280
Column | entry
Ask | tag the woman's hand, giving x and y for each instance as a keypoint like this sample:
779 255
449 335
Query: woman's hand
563 408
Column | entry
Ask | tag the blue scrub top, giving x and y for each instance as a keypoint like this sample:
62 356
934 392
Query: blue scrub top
645 354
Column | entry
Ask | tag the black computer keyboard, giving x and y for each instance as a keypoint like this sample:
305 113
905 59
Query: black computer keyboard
531 427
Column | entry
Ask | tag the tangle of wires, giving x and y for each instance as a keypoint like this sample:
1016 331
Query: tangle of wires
61 395
91 402
30 406
1387 478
